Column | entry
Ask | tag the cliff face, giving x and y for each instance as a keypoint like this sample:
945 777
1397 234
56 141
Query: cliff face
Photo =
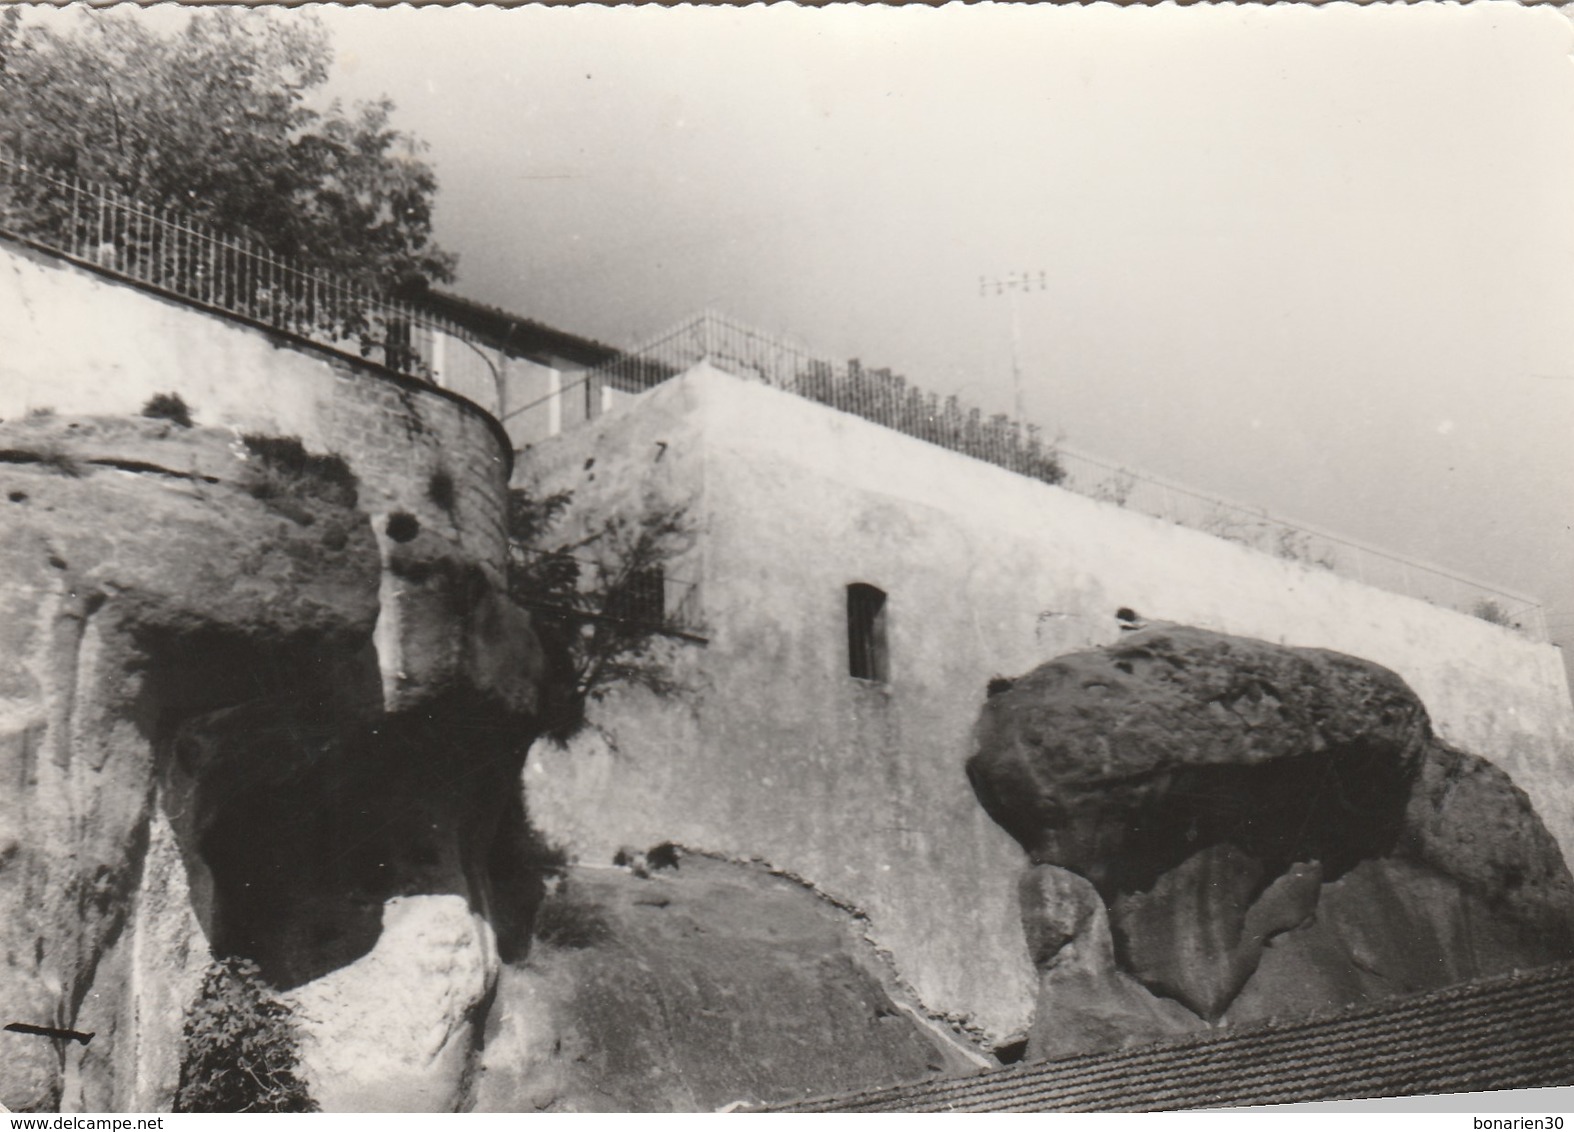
1220 829
205 750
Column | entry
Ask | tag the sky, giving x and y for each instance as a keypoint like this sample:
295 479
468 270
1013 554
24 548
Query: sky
1313 259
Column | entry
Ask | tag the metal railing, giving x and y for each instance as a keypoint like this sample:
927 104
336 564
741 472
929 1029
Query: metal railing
1300 542
875 394
882 397
164 250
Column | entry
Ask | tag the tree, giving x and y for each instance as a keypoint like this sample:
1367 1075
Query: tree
597 600
223 121
10 21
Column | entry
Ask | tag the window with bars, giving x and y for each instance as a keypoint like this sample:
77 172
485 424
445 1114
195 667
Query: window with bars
867 656
643 599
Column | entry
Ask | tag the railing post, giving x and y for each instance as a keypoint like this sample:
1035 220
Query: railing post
76 209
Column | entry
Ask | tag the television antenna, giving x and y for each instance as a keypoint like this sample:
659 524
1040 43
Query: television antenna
1014 286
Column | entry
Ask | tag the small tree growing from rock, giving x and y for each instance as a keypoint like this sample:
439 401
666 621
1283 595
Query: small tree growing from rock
242 1050
597 599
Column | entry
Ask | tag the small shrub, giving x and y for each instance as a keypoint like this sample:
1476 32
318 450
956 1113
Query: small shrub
598 600
168 407
1222 523
283 468
40 412
440 489
571 924
531 516
241 1047
1292 545
664 856
62 462
1046 466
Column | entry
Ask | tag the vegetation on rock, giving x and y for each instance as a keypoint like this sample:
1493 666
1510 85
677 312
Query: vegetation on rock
281 468
168 407
241 1048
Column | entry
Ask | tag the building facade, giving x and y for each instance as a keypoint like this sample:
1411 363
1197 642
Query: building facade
857 589
528 375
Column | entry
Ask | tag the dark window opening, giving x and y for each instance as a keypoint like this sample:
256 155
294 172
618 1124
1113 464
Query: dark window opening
867 657
641 599
399 347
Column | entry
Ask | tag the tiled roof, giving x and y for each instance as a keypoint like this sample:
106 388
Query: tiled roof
1513 1032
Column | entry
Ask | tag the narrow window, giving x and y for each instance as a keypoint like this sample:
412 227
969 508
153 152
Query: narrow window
866 650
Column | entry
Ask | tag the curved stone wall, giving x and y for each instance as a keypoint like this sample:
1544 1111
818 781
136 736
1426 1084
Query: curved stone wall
76 342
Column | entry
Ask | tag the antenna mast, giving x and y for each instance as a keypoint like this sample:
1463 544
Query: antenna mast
1014 286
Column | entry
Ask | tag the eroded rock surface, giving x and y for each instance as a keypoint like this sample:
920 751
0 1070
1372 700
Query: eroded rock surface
196 648
693 988
1267 830
1094 1004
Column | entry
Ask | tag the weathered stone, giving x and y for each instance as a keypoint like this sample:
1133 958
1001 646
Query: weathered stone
193 721
394 1030
1198 934
1267 829
1085 1001
135 591
694 988
1128 759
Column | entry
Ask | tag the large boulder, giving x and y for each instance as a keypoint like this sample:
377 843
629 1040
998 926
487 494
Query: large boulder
204 757
697 986
1267 829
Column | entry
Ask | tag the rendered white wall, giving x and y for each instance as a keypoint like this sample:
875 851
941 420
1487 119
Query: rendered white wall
860 789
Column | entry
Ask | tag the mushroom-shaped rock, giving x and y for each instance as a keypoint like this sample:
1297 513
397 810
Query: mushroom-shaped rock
1269 829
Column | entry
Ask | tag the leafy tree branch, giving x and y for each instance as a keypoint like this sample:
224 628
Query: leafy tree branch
599 599
224 121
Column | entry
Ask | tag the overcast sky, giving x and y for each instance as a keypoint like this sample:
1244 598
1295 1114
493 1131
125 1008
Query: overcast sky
1316 259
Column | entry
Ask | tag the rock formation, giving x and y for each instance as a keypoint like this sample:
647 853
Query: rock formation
696 987
242 716
205 751
1222 829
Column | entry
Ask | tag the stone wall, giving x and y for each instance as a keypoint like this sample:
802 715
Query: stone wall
77 342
